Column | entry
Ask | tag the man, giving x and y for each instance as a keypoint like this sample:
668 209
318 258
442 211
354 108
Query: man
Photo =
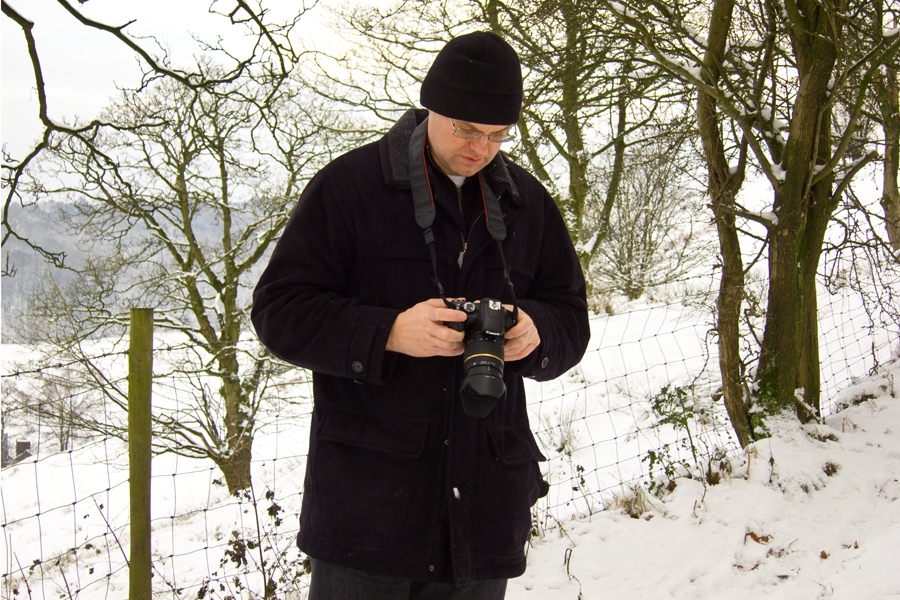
407 495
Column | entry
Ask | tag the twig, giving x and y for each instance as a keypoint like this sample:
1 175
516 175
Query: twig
112 531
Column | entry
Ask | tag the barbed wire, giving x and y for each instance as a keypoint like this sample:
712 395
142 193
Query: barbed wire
78 361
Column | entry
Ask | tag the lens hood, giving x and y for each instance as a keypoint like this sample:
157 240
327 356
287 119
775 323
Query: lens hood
480 390
477 407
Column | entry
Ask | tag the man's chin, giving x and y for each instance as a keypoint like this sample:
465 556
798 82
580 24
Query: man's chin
468 169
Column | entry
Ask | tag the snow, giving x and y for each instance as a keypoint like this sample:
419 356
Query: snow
778 172
778 526
769 216
695 72
811 512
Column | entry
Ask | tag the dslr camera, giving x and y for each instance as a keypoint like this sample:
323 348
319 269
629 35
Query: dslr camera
485 326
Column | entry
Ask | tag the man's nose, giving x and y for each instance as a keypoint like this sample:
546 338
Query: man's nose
481 145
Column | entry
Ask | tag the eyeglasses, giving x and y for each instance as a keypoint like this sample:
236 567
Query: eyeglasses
471 134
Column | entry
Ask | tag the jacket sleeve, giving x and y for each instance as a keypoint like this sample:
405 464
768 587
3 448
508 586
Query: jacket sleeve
302 311
556 302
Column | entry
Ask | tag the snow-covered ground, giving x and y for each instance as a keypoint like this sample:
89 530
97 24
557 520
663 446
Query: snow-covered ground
810 513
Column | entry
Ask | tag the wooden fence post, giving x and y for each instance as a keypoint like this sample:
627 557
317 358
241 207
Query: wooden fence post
140 370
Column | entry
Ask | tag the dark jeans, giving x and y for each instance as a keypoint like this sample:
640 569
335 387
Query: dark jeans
331 582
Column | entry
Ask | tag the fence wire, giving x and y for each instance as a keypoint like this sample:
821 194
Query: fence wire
602 427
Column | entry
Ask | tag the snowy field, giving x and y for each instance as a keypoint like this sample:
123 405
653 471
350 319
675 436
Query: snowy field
810 513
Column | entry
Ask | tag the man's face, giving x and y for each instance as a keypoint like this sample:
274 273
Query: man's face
457 156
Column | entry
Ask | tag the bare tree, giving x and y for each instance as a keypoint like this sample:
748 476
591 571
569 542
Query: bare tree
886 113
768 76
586 94
272 47
57 408
177 201
651 238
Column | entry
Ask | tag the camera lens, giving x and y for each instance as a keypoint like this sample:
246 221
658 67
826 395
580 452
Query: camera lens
482 383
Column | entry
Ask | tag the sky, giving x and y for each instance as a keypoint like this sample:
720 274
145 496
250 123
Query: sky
82 67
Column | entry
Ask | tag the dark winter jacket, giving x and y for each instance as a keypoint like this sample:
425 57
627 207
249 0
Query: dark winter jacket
400 481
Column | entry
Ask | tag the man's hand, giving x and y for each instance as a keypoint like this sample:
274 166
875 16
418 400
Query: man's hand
420 331
522 339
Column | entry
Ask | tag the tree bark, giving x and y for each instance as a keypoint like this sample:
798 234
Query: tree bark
792 298
890 200
723 186
822 204
615 179
572 124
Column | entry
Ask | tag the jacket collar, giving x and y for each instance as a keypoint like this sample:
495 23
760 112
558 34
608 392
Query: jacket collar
394 149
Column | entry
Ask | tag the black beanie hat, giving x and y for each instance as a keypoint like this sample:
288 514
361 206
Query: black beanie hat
476 78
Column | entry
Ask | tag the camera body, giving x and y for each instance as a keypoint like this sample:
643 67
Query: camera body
485 326
488 317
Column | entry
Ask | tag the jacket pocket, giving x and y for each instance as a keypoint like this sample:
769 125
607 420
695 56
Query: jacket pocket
380 434
509 485
367 479
514 446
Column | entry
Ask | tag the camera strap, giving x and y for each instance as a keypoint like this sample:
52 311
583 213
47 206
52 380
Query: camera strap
423 202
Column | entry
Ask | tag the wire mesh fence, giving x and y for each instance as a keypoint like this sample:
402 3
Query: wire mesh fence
603 427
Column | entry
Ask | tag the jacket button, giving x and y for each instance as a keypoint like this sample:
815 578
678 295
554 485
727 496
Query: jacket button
545 362
446 442
431 568
358 367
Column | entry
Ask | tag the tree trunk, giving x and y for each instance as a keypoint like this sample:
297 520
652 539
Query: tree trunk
890 117
571 66
578 187
531 152
728 306
792 298
823 202
238 426
236 469
723 186
809 368
618 162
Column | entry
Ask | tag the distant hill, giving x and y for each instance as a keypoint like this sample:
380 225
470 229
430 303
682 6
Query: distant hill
40 224
29 267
